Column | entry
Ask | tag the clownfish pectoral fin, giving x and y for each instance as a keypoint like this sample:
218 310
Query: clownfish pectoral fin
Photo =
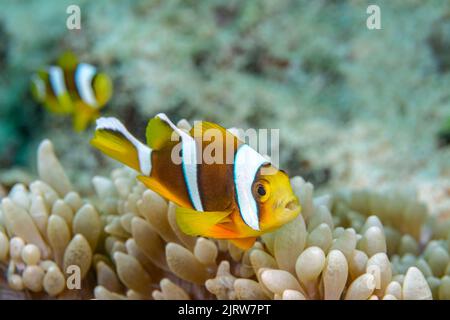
156 186
243 243
203 223
158 133
112 138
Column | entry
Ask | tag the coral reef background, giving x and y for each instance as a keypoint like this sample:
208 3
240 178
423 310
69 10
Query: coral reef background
356 108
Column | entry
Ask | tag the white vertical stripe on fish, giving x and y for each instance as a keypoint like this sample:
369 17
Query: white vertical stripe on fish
189 161
83 80
56 77
144 152
40 86
246 165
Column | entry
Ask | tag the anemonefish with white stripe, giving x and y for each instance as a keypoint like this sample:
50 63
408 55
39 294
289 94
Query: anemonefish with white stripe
71 87
237 200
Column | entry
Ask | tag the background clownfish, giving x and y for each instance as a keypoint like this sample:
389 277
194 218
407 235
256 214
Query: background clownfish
238 200
72 88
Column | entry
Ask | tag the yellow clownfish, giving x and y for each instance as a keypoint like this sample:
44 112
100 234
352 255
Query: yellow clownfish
237 200
74 88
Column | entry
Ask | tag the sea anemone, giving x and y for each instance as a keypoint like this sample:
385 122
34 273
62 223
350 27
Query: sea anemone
45 228
125 241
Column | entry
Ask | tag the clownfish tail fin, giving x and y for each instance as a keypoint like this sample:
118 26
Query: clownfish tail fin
112 138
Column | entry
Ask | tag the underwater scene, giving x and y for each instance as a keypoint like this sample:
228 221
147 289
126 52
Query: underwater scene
225 150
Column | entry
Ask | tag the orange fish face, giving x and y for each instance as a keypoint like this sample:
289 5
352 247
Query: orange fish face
277 202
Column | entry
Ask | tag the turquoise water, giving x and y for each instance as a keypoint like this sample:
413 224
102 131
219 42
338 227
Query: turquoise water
312 69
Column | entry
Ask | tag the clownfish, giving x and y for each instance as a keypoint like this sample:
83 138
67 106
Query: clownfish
237 200
72 87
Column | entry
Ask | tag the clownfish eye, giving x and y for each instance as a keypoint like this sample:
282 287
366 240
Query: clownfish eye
261 190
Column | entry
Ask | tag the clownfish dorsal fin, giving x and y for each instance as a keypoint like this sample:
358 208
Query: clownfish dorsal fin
203 223
243 243
156 186
205 125
68 61
158 133
209 125
188 155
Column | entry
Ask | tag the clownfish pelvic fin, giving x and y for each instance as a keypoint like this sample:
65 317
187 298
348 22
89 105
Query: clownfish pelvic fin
83 116
113 139
243 243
